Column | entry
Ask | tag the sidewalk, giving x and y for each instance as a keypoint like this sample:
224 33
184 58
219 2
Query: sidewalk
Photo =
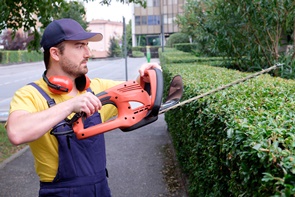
137 162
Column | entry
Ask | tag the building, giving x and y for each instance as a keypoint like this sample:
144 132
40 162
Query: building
108 29
147 22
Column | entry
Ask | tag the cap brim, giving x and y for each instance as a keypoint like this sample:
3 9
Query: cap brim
96 38
93 37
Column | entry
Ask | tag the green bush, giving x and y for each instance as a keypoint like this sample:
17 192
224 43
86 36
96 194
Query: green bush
239 141
254 33
177 38
176 56
114 48
137 54
153 50
7 57
138 48
186 47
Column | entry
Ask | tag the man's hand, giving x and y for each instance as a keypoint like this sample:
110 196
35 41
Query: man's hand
87 103
145 67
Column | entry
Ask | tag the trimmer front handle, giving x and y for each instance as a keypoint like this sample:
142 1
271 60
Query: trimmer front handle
149 95
155 90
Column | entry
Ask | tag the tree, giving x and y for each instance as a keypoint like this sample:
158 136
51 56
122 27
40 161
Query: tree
24 14
114 49
20 41
74 10
252 33
128 38
195 23
192 19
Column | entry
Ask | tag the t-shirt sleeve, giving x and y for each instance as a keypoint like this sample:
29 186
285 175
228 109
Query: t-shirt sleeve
26 99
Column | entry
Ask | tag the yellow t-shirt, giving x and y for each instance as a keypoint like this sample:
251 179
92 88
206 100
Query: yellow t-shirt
45 149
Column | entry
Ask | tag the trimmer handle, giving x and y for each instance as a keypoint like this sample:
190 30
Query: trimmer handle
155 89
150 98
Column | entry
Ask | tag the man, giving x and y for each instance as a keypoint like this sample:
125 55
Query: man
41 112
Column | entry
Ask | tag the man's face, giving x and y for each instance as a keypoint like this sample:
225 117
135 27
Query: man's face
75 57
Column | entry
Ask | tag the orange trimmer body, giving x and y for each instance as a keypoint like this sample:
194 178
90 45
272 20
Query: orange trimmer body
147 95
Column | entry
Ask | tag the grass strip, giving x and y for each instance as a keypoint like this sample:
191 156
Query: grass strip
6 148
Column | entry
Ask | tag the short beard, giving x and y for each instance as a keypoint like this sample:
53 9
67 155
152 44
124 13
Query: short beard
70 68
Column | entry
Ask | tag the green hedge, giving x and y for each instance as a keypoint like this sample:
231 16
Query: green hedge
153 50
186 47
239 141
176 56
137 54
7 57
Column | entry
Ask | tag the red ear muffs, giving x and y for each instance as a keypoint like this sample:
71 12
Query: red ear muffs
62 84
82 83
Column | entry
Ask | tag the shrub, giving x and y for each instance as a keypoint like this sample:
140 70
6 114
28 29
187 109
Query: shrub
153 50
114 49
137 54
186 47
177 38
237 142
7 57
176 56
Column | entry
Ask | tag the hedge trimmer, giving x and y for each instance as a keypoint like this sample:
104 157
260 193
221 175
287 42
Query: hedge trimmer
149 96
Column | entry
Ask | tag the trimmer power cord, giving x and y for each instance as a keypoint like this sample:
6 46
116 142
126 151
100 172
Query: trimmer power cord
221 88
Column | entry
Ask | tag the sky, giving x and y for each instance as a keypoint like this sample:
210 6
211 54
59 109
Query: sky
114 12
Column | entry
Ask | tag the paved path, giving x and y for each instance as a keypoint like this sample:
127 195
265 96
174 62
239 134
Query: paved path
135 161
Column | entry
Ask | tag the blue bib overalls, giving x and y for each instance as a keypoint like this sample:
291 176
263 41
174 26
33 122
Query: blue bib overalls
82 163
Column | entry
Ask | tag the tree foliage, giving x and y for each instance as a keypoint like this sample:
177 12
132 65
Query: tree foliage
253 33
114 49
128 38
74 10
177 38
25 14
18 41
108 2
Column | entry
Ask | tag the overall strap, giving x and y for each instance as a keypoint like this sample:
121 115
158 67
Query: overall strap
50 103
89 90
49 100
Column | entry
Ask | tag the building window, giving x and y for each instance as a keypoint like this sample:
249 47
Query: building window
150 20
153 3
154 20
137 20
143 20
149 3
158 19
165 19
156 3
170 19
153 41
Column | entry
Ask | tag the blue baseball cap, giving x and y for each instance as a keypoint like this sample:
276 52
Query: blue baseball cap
66 29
